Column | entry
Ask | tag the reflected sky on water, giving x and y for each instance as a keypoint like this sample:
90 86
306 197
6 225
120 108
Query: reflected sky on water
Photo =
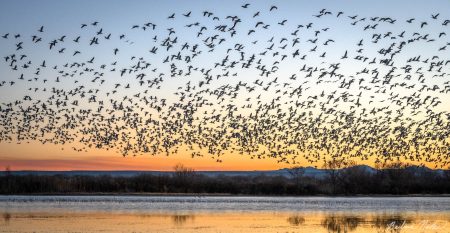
102 214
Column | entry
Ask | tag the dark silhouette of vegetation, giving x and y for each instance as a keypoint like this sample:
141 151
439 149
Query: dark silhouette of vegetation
333 168
395 179
183 176
297 173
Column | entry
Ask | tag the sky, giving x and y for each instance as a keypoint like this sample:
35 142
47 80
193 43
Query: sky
65 18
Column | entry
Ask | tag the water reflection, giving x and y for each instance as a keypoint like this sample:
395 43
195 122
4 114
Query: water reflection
341 224
296 220
180 220
225 221
393 223
6 217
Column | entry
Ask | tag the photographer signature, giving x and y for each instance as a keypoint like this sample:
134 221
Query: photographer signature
423 225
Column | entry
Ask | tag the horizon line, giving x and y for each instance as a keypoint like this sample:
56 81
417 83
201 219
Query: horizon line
286 168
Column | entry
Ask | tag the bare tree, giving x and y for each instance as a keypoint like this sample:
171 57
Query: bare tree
183 176
297 175
8 170
333 168
398 176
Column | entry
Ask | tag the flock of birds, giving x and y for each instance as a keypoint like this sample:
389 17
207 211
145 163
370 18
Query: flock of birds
237 84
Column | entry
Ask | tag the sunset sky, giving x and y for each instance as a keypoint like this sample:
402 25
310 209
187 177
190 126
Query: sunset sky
64 18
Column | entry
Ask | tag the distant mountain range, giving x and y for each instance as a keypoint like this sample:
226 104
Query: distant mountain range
308 171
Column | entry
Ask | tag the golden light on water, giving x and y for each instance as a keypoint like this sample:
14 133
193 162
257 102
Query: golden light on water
208 222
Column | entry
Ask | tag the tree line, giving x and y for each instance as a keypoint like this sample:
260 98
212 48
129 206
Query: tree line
395 179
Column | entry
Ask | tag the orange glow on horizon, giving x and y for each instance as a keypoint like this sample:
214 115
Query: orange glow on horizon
49 157
154 163
35 156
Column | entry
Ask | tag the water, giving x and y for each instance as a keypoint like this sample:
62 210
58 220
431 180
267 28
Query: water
223 214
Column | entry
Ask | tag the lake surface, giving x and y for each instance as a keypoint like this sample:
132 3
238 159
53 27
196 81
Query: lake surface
223 214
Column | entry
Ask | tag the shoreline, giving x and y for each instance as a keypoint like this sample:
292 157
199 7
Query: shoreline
223 195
